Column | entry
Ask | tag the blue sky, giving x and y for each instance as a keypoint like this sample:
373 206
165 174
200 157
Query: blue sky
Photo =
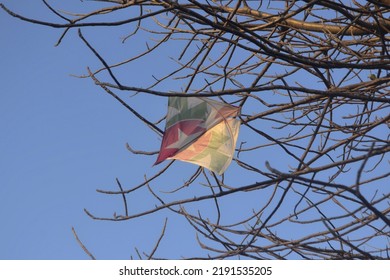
62 138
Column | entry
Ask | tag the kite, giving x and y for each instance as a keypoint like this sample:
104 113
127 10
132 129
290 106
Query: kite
200 130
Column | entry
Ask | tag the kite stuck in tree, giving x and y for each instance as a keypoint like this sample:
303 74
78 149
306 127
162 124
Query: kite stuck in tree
200 130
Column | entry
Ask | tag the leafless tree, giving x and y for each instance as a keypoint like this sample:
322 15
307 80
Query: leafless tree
312 80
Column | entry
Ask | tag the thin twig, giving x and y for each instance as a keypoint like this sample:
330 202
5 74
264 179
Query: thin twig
82 245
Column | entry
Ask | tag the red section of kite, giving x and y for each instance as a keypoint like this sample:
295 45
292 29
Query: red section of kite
172 135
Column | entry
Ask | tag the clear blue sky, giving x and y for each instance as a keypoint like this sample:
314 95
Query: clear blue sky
62 137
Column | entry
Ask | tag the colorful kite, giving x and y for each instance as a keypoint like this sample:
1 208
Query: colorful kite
200 130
